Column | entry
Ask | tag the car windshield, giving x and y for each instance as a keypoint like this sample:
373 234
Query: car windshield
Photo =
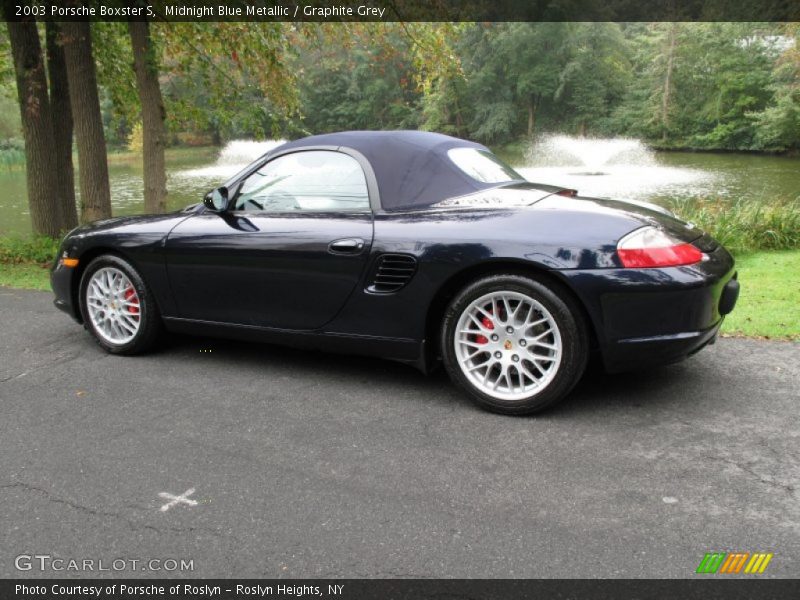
483 166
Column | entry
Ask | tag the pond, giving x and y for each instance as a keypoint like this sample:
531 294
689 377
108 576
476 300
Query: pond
626 168
618 168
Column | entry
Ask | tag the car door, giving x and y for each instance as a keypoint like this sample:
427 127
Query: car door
289 251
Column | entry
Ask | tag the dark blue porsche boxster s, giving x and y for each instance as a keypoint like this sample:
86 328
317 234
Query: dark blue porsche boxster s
412 246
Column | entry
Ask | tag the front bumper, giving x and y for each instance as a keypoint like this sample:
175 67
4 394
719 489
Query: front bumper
645 317
61 280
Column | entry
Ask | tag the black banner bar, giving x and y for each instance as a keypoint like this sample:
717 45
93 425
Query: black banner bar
406 10
707 587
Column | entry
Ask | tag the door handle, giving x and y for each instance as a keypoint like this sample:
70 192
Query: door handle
346 246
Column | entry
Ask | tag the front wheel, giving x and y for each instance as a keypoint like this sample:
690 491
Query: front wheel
514 344
117 307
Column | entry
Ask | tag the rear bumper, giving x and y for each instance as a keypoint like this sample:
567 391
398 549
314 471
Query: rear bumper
636 353
645 317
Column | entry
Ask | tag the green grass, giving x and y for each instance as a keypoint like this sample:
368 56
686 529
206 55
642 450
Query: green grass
25 261
173 154
11 158
769 301
25 276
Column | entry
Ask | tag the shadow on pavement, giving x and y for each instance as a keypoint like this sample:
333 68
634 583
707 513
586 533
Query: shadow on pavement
596 391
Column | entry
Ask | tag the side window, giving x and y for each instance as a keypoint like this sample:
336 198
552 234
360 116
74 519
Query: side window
313 181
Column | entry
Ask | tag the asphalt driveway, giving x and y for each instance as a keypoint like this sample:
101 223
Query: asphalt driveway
312 465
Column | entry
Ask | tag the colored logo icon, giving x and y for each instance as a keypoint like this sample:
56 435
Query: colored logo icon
734 562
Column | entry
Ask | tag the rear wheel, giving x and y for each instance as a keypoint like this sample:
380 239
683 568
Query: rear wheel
514 344
117 306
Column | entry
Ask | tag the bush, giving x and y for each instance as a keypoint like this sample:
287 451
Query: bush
136 139
40 250
743 226
12 153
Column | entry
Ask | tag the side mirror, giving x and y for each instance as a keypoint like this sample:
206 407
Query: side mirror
216 200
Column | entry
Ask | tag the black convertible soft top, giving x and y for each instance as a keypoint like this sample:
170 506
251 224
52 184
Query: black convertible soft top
412 167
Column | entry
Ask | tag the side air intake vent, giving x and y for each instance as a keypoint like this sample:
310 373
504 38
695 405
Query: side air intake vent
391 273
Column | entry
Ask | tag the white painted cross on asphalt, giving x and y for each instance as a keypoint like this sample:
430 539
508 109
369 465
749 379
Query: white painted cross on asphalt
175 500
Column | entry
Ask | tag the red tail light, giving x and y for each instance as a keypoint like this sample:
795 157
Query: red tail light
651 247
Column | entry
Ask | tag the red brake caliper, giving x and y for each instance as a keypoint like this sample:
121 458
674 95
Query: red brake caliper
487 322
130 296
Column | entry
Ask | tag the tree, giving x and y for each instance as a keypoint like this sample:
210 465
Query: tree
732 66
62 126
535 54
362 80
119 100
92 156
778 125
666 94
494 113
37 127
511 74
240 71
145 65
595 76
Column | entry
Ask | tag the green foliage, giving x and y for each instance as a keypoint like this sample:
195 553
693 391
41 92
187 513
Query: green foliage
364 81
706 85
40 250
229 78
12 153
10 126
595 75
698 85
739 61
220 79
119 100
745 226
7 82
509 77
778 125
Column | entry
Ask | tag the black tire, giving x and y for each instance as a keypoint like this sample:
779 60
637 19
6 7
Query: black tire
568 318
150 325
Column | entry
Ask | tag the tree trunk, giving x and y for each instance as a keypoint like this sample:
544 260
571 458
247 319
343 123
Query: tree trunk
216 136
92 156
37 127
62 126
665 98
145 65
533 103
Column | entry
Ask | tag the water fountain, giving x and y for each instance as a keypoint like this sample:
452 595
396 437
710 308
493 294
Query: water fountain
622 168
611 167
592 153
242 152
236 155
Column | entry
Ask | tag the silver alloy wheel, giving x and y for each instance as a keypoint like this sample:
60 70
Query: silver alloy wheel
113 306
508 345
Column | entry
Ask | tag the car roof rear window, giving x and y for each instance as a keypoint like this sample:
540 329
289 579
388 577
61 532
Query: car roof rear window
482 166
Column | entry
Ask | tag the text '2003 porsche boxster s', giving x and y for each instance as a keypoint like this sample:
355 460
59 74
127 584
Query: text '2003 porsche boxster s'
412 246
